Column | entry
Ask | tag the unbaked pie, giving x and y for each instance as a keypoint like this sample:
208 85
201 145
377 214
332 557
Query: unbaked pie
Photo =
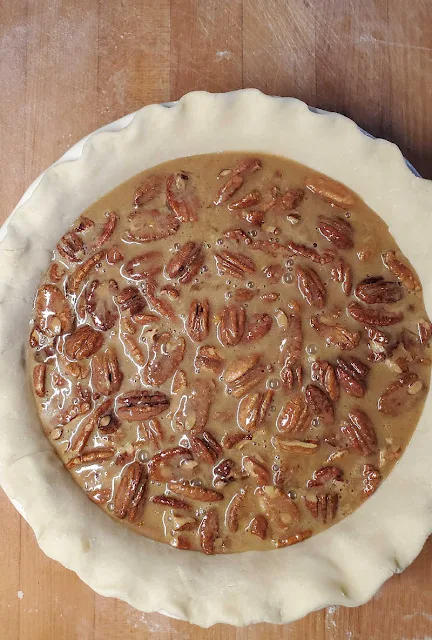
229 352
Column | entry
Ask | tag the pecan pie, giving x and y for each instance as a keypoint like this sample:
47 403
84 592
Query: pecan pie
229 352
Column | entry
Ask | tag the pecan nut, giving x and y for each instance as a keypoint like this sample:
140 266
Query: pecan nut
319 403
143 266
181 197
301 447
310 253
106 374
336 334
323 475
166 352
205 448
83 343
374 317
294 417
323 507
208 358
401 395
258 526
149 225
231 326
192 413
280 510
130 491
209 531
197 324
337 231
104 316
148 190
138 405
401 271
324 373
71 247
39 380
311 287
253 409
342 272
194 492
294 539
292 198
130 299
331 191
257 469
232 511
259 327
162 307
186 263
371 479
376 290
242 375
80 274
53 314
228 189
359 432
161 466
232 264
248 200
107 230
351 374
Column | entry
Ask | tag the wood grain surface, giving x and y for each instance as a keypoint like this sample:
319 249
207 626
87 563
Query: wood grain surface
70 66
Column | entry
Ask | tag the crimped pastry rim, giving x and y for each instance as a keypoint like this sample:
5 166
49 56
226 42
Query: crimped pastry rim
345 564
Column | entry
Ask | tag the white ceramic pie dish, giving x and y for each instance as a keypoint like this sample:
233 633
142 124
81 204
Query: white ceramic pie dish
344 565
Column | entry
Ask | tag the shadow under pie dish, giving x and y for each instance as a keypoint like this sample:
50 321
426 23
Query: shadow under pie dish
229 352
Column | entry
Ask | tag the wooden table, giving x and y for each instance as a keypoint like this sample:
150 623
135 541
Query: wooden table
70 66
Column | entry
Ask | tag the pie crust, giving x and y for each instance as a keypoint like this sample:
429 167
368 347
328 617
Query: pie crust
343 565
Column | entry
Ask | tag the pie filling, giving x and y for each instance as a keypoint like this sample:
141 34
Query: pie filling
229 352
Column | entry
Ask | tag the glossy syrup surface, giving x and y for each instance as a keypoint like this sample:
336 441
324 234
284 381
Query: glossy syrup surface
229 352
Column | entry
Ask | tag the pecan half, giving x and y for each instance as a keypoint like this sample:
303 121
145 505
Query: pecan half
80 405
186 263
294 539
259 327
106 374
166 352
337 231
149 225
197 324
194 492
401 395
310 253
401 271
243 374
209 531
130 491
323 475
301 447
341 272
163 307
258 526
39 380
104 315
248 200
53 314
130 299
336 334
273 249
231 326
236 440
80 274
331 191
228 189
224 472
161 466
232 511
232 264
93 456
193 410
253 409
257 469
324 506
292 198
143 266
208 358
425 331
280 510
376 290
351 374
238 235
252 217
292 344
138 405
246 166
324 373
179 382
371 479
294 417
83 343
359 432
148 190
181 197
89 424
311 287
319 403
107 230
169 501
206 448
374 317
71 247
